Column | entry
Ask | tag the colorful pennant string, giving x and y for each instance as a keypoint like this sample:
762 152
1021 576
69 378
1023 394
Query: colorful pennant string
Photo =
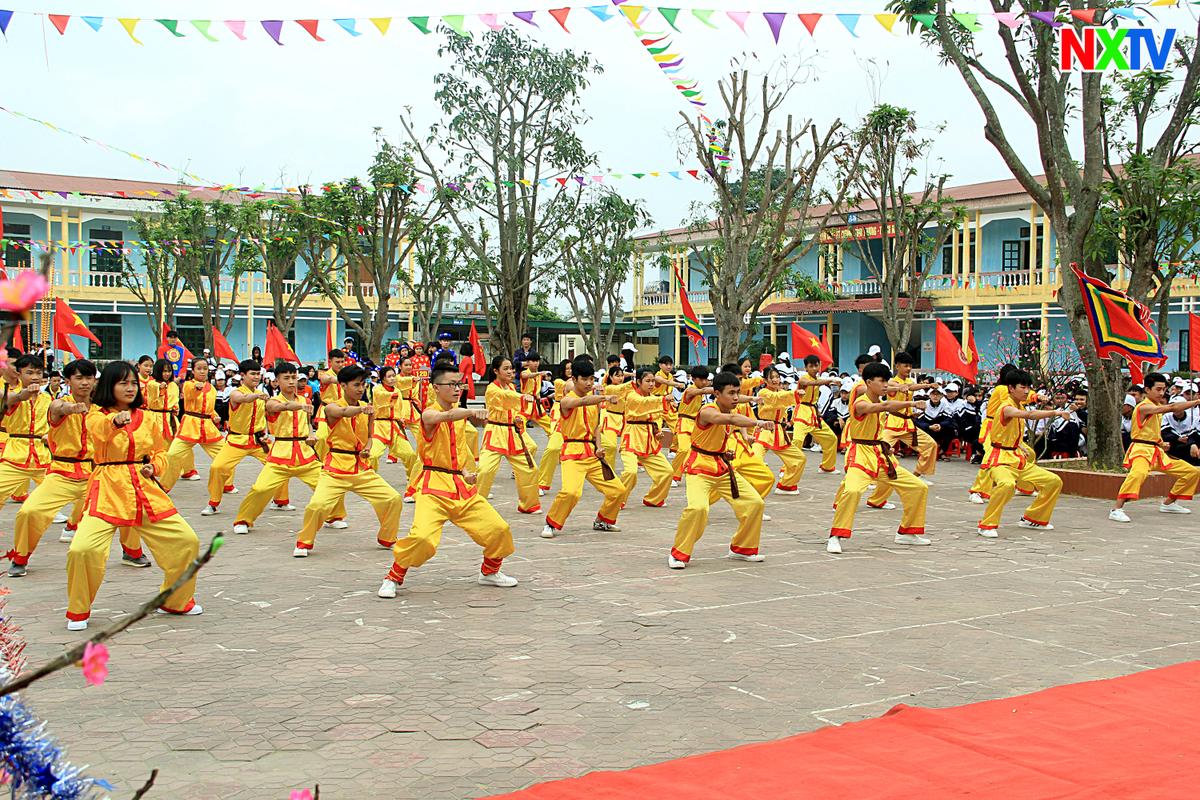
662 50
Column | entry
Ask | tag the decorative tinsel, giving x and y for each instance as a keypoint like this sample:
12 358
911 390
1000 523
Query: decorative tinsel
33 764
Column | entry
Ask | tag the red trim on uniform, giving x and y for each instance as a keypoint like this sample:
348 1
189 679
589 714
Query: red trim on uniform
654 505
245 522
605 519
396 573
304 546
383 543
335 519
190 605
679 555
132 553
1127 496
544 488
841 533
490 565
410 491
535 510
822 469
553 524
872 505
1173 496
189 473
282 503
17 558
911 531
744 551
794 487
1024 494
71 527
78 616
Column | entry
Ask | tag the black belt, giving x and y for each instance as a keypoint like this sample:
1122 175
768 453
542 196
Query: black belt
604 467
197 414
24 436
728 460
886 449
345 452
444 470
1131 441
259 436
291 438
69 460
1004 447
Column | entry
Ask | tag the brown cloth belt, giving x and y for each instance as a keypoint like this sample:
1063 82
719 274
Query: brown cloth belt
354 453
24 436
728 460
444 470
605 469
291 438
69 460
1131 441
145 460
520 428
259 437
1003 447
886 449
172 420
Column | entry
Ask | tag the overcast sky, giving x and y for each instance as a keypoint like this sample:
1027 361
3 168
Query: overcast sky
250 111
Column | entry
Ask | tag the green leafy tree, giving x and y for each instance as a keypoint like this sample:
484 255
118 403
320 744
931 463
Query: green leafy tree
508 150
442 267
156 282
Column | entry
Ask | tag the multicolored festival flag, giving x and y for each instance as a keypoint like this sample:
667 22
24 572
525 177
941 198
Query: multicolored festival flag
691 322
1120 325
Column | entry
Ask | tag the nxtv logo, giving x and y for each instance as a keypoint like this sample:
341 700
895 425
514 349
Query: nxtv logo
1099 49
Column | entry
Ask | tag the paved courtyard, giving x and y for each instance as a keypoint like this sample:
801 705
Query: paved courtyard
602 658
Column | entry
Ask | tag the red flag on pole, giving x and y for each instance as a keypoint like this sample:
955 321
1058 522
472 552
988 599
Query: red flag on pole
221 348
19 337
68 323
950 355
277 347
328 335
478 360
1194 342
805 343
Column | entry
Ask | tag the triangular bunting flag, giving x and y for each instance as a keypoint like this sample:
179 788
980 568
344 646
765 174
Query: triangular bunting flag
775 22
172 25
739 18
675 175
526 17
202 26
421 23
129 25
602 13
809 21
93 22
1088 15
968 21
669 14
849 21
59 21
927 20
695 173
455 21
5 18
560 16
703 14
1008 19
1046 17
237 27
632 12
382 23
310 25
273 27
492 21
348 25
887 20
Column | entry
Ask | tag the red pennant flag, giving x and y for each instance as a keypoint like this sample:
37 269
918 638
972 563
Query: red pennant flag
277 347
68 323
221 348
59 21
64 343
478 361
952 358
810 21
805 343
19 338
695 173
560 16
1088 15
310 25
1194 342
328 336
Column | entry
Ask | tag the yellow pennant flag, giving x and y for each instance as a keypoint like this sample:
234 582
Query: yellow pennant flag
1165 3
382 23
887 20
633 12
129 25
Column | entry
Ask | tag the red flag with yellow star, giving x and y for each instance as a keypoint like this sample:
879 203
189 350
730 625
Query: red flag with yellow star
805 343
66 324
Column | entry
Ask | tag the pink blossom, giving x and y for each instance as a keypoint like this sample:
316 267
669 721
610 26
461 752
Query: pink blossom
19 295
95 663
301 794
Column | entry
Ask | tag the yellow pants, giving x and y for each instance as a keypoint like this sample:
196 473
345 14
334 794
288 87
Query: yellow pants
702 492
527 490
982 485
912 490
683 447
927 448
475 516
1186 477
793 459
659 470
754 470
51 496
574 473
180 460
1004 485
14 481
172 542
610 443
220 472
330 494
544 422
549 462
268 484
823 436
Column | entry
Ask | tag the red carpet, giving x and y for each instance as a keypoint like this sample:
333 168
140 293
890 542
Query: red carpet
1131 737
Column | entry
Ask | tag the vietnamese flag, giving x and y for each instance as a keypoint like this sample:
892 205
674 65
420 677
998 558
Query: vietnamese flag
277 348
221 348
67 324
478 361
1194 342
952 358
805 343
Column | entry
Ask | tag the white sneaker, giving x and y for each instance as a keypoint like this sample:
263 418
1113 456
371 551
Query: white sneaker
1173 508
300 552
816 448
241 528
834 545
786 491
756 558
884 507
496 579
232 490
766 517
77 624
977 499
541 492
911 539
387 589
195 477
987 533
548 532
60 519
288 507
1034 526
675 563
196 611
410 498
489 495
1119 515
676 484
834 471
66 536
337 524
209 511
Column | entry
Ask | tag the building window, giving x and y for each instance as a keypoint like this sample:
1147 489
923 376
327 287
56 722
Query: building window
1029 340
109 260
1014 255
967 264
107 328
14 257
191 334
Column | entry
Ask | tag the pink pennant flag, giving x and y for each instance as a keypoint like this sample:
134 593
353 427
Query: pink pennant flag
775 21
739 18
491 21
525 16
597 179
237 27
273 27
1009 19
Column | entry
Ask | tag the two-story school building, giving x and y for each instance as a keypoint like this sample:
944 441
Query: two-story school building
998 271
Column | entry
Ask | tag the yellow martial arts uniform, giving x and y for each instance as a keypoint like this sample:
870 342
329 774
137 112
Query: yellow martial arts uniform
640 447
580 462
688 409
773 406
118 495
663 390
411 415
531 384
982 485
247 437
867 462
710 477
196 428
330 393
1145 454
550 456
898 426
389 428
613 420
346 469
445 497
748 387
504 437
807 422
162 403
1008 463
25 456
750 466
289 457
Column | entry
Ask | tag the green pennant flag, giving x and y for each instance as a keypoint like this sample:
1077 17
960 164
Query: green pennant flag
202 25
968 21
639 175
928 20
455 21
172 25
703 14
669 14
422 23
